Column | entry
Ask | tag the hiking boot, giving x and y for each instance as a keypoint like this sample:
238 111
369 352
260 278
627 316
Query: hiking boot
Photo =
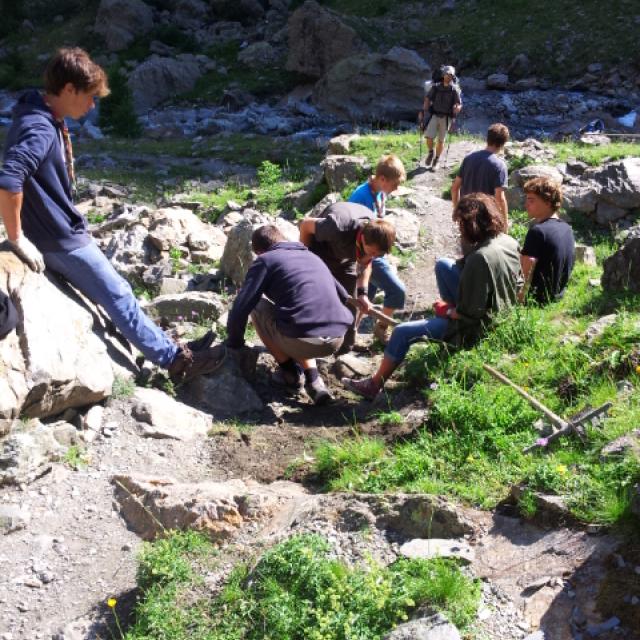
429 159
189 364
204 342
381 331
287 380
435 162
365 387
318 392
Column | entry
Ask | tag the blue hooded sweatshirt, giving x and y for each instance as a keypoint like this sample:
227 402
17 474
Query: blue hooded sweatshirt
34 164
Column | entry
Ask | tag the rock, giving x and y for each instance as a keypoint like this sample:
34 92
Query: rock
586 255
318 39
247 11
176 226
225 393
130 252
119 22
622 269
64 433
151 506
190 14
435 627
597 328
619 182
339 171
606 213
93 418
54 360
159 78
551 510
536 635
581 197
173 286
407 227
192 306
497 81
520 66
340 145
13 518
624 445
238 256
258 55
348 364
520 176
515 198
437 547
374 86
594 630
160 416
27 454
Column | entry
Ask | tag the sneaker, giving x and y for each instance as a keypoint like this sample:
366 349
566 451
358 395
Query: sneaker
365 387
435 162
189 364
429 159
318 392
287 380
381 331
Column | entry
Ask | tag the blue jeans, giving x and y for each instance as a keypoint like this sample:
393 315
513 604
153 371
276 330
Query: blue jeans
448 278
408 332
89 270
383 277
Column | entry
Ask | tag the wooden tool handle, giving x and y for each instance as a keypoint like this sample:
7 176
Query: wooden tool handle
375 313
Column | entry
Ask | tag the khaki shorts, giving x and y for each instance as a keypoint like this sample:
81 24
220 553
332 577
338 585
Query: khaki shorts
437 127
263 317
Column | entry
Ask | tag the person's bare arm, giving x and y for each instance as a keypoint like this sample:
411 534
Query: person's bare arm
455 191
501 198
307 231
10 206
528 265
362 282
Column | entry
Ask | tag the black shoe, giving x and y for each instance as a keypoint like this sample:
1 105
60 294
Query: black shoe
318 392
203 342
435 162
429 159
189 364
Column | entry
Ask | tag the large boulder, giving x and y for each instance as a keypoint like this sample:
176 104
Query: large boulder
339 171
619 182
318 39
120 22
622 269
258 55
60 356
238 256
374 86
580 196
407 227
159 78
130 252
520 176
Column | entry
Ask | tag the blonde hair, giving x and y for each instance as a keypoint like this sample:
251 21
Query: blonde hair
391 168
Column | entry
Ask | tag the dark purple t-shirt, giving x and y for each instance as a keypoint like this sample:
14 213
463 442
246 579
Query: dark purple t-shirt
483 172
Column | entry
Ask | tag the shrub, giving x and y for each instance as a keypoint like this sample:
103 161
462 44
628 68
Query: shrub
117 115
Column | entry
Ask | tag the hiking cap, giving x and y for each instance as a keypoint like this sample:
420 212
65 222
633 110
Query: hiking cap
448 70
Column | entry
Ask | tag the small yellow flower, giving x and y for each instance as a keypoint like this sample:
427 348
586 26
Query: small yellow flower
561 470
470 458
111 603
638 369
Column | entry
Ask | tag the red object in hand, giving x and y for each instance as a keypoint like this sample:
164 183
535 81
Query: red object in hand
441 308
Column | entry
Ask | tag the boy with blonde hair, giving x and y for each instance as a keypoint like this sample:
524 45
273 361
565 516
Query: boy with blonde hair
390 174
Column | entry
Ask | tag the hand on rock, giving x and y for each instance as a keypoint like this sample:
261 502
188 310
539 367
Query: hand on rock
27 252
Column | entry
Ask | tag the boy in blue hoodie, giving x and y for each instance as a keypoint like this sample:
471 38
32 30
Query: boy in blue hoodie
37 184
389 175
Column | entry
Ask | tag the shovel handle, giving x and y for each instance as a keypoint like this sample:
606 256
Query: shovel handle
555 419
375 313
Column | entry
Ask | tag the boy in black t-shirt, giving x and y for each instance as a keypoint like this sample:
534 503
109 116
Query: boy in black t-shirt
547 256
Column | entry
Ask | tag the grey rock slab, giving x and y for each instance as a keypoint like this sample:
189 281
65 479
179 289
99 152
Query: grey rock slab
628 443
341 145
407 226
622 269
606 213
435 627
438 547
586 255
342 170
119 22
619 182
354 364
160 416
598 327
190 306
13 518
520 176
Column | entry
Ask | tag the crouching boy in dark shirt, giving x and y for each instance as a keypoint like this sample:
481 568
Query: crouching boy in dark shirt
547 256
301 315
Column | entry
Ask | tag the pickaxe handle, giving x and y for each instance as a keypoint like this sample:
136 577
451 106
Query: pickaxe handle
374 313
536 404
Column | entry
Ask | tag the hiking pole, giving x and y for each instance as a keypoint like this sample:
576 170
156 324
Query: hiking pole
446 153
420 131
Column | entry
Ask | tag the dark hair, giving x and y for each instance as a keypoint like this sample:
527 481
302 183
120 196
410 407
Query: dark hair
545 188
479 217
264 237
75 66
379 233
497 135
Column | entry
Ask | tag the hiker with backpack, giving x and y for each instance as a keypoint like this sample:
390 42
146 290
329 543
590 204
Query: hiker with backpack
443 102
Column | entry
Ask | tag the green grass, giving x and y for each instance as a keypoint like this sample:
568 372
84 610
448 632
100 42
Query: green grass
295 591
594 155
472 445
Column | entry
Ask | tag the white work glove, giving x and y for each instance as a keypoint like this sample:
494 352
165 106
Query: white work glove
27 251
